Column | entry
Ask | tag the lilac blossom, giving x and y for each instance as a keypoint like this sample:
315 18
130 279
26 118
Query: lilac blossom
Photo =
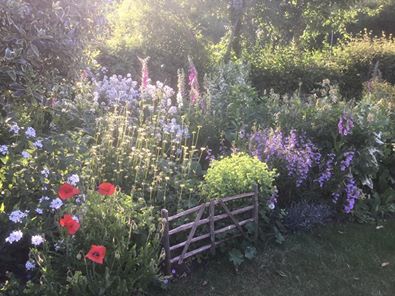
298 154
73 179
30 132
345 124
17 216
326 175
56 204
38 144
45 172
25 154
352 194
272 202
14 128
3 149
30 265
348 157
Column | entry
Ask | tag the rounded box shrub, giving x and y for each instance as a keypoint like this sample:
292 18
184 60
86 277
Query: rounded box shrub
237 174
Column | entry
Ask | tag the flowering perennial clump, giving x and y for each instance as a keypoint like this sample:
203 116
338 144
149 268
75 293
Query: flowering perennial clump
298 154
345 124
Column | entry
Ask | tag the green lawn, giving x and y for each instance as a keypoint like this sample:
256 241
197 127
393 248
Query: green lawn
333 260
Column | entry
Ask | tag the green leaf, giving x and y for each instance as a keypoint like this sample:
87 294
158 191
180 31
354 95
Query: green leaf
250 252
236 257
2 208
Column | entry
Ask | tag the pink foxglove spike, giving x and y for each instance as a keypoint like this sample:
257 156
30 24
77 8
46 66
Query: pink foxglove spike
144 72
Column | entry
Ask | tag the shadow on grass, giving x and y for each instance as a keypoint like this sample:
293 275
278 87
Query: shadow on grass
337 260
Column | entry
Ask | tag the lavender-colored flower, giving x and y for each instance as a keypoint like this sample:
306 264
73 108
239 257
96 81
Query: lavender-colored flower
25 154
37 240
326 175
14 128
17 216
45 172
335 197
38 144
56 204
348 157
345 124
39 211
30 265
43 198
296 152
3 149
352 194
30 132
14 236
73 179
272 202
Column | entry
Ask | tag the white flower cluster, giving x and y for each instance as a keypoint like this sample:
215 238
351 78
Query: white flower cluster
116 89
37 240
177 131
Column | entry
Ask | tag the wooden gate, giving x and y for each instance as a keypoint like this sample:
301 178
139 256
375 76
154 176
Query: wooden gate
211 219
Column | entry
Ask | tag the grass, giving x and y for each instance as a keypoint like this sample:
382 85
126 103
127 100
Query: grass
342 259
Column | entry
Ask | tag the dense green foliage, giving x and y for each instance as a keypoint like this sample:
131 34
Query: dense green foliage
283 94
237 174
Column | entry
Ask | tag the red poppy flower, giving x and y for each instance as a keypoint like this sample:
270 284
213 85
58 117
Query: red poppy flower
70 224
96 254
106 188
67 191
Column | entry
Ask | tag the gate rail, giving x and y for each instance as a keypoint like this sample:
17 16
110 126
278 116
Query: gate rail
210 219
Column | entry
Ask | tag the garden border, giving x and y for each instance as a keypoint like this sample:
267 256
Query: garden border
211 219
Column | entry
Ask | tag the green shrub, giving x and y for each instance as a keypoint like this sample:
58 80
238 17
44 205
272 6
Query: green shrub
349 64
237 174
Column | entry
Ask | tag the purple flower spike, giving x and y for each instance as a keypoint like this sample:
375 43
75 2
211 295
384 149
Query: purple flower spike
345 124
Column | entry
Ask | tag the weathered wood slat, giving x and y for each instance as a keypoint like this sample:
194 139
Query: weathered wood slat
234 197
256 211
184 213
194 209
212 232
191 253
192 233
207 220
166 239
230 227
234 220
194 240
212 226
204 248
